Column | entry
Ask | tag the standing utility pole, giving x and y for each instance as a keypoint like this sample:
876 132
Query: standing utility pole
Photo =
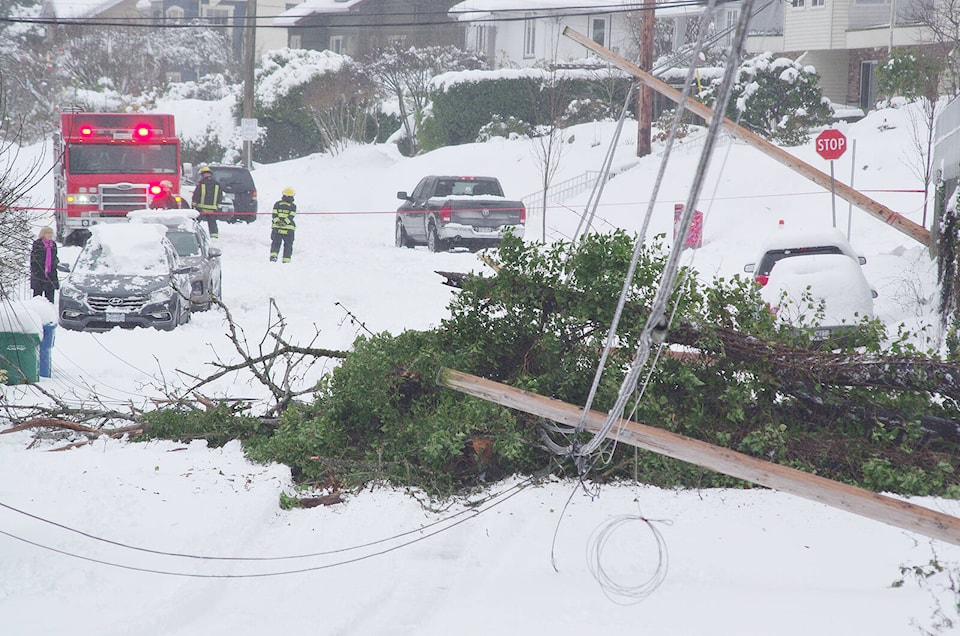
249 62
645 94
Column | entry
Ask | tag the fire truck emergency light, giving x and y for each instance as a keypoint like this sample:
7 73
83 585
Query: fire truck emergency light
154 189
86 131
142 131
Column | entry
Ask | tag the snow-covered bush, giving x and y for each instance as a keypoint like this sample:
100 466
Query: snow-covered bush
283 76
777 98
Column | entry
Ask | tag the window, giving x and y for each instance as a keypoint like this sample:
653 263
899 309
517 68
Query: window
174 13
295 41
529 37
336 43
796 4
817 3
598 31
217 17
479 39
730 25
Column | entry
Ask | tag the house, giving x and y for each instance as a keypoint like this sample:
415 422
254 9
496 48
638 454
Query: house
522 33
358 27
844 40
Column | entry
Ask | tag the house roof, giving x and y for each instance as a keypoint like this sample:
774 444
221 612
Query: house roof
477 9
78 8
291 17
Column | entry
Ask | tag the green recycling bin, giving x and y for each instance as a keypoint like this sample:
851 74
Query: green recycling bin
19 357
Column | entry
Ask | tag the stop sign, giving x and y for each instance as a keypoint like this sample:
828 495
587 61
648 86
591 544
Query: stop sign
831 143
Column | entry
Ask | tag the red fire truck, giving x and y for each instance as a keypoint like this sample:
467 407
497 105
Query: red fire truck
107 164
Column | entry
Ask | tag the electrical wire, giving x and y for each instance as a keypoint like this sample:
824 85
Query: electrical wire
655 326
445 524
365 20
620 593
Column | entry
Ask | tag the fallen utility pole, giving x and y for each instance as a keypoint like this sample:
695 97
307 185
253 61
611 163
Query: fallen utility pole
894 512
845 192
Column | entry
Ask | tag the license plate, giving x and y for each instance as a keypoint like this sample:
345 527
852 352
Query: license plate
821 334
484 230
115 316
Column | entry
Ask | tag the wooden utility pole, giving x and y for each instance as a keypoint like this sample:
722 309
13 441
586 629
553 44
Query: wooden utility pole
865 503
645 93
845 192
249 64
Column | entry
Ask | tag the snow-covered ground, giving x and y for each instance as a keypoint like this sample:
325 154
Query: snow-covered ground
168 538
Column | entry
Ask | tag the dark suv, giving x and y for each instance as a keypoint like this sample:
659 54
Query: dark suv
239 193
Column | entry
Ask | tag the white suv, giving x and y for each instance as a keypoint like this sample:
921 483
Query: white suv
785 244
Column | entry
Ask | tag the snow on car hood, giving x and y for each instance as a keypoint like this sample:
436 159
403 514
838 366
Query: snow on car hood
118 284
835 279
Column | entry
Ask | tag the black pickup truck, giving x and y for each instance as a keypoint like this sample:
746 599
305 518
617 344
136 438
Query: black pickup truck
446 211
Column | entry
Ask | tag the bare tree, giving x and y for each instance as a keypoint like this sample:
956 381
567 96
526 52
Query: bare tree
18 176
916 73
407 75
341 104
942 19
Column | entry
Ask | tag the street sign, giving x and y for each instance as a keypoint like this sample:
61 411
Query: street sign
248 129
831 143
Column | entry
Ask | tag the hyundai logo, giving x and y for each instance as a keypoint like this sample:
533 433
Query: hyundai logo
116 301
485 212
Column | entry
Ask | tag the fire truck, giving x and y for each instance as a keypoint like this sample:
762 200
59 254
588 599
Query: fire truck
107 164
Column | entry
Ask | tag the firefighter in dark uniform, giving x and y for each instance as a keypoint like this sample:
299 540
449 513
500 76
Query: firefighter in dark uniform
166 199
283 227
207 197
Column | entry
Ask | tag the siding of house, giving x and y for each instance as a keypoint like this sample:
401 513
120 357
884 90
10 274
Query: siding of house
833 68
550 45
814 27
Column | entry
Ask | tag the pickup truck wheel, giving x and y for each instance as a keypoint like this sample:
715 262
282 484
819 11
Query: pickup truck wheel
434 244
402 239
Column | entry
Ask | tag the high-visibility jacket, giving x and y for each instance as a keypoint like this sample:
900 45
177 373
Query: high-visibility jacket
207 196
283 212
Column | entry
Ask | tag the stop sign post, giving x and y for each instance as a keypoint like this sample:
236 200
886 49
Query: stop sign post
830 144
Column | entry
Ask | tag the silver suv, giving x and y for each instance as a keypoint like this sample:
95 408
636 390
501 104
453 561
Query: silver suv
192 243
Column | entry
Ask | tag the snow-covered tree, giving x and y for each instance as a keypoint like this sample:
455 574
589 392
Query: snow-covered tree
777 98
17 178
281 82
406 73
48 66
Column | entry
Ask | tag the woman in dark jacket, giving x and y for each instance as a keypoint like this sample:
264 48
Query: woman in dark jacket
43 265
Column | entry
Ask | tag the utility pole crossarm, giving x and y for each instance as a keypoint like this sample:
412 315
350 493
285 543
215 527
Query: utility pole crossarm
895 512
845 192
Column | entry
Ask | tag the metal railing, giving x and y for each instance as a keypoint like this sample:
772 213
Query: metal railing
560 191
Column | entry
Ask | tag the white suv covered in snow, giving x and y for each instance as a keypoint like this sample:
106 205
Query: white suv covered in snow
815 282
786 244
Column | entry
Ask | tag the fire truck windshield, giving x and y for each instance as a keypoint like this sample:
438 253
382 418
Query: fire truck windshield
122 159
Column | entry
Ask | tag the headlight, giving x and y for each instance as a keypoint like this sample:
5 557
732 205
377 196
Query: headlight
68 291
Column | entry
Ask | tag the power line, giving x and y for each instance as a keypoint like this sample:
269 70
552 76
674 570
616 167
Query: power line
359 21
444 524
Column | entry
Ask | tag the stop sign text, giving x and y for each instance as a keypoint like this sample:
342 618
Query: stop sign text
831 143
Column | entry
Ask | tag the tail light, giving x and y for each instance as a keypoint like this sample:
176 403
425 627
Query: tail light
254 193
523 215
445 214
762 280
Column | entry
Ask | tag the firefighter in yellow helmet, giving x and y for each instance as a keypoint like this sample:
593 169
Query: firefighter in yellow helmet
283 227
207 199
